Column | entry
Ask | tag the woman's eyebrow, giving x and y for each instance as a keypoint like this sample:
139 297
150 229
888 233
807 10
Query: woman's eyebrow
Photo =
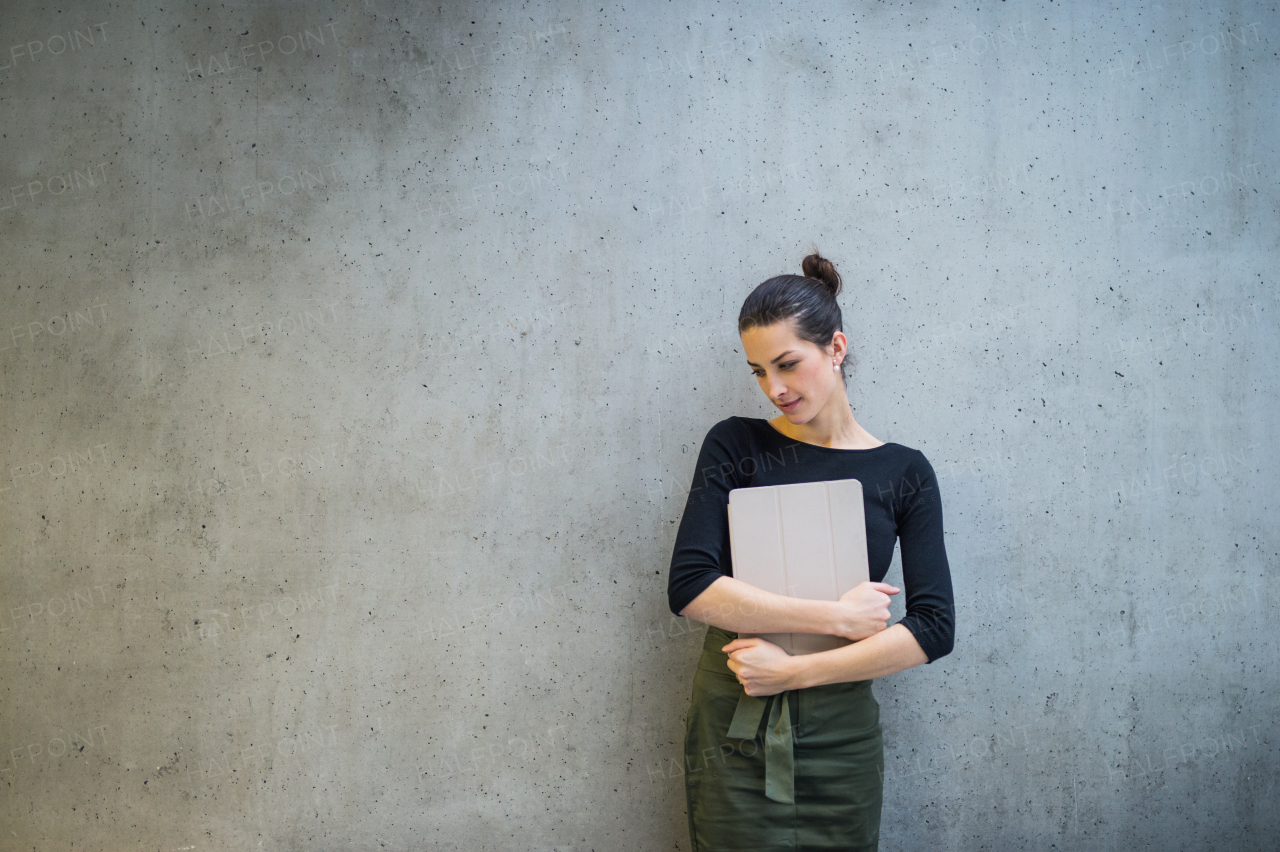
775 360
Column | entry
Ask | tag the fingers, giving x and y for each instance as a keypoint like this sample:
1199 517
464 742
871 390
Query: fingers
882 588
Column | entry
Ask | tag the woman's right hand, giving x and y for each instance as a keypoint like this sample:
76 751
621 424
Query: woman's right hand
865 610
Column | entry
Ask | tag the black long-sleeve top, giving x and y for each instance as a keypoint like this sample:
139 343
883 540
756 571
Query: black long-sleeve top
900 496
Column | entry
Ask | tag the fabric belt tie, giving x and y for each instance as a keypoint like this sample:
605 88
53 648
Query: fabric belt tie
779 759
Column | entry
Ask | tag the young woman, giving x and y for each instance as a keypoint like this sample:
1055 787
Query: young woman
781 751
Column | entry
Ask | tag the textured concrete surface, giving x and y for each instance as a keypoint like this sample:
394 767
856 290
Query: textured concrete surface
355 358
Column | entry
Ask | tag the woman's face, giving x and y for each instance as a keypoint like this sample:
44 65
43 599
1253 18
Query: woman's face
796 375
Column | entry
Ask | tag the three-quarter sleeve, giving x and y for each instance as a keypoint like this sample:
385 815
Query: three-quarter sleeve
930 612
701 554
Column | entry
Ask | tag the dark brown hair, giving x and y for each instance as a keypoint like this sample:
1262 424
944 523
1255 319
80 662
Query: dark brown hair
809 301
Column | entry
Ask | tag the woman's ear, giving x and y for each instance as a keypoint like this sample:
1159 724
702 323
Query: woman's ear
840 344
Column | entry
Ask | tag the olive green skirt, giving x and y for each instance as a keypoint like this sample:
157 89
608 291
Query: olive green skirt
801 770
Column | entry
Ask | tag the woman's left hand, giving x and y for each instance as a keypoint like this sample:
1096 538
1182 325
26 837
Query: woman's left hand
761 666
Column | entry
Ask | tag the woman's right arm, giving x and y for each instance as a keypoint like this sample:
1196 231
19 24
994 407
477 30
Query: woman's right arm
741 608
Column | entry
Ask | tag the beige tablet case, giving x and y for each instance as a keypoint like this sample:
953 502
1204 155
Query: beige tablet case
804 540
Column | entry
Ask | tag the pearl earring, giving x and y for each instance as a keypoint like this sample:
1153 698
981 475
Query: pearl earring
835 366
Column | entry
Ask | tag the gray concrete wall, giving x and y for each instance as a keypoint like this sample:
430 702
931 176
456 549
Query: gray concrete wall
355 358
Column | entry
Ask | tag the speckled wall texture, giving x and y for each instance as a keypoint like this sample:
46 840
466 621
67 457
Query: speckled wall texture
355 357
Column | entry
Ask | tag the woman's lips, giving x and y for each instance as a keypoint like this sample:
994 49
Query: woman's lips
790 405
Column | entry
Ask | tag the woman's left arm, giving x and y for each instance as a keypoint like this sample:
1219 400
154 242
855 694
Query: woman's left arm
890 651
765 669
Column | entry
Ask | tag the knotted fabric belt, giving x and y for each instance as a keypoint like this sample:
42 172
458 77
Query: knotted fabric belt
779 759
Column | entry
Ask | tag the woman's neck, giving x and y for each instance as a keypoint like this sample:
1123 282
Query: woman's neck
845 435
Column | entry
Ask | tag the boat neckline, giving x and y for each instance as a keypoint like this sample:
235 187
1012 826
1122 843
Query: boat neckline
775 431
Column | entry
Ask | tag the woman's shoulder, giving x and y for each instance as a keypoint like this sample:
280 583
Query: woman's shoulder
917 472
731 426
750 433
911 458
918 458
731 432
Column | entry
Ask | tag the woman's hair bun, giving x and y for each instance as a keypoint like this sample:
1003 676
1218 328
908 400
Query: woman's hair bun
819 268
